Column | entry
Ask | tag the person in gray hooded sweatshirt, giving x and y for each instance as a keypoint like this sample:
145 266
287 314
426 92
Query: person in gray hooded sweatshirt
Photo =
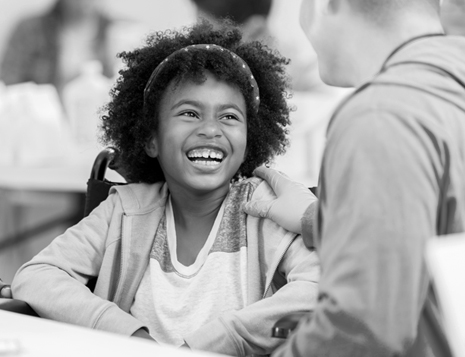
392 174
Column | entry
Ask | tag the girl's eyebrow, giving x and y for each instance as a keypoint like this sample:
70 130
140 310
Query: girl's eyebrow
187 101
231 105
198 104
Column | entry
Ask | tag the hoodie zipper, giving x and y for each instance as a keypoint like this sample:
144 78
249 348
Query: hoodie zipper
125 226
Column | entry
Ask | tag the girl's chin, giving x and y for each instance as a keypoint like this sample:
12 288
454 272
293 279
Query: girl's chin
207 185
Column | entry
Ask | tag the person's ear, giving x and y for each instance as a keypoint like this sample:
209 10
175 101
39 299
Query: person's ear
332 6
151 147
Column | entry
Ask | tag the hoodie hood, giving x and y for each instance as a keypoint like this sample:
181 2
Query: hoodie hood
428 64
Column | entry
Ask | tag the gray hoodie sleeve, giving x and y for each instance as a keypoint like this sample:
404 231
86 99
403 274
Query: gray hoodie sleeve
53 282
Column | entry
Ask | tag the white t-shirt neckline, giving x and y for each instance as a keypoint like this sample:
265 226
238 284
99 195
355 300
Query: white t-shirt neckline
172 241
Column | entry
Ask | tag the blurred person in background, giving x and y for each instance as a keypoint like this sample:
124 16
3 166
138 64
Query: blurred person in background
51 47
251 15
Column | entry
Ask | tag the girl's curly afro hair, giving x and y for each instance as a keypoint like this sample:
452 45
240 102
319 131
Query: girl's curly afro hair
128 122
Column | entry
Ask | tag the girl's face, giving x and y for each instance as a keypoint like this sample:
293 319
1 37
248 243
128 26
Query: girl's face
202 135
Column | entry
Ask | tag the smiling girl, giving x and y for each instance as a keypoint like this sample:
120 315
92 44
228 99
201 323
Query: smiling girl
193 114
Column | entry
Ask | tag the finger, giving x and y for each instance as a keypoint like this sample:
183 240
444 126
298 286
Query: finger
6 292
258 208
276 180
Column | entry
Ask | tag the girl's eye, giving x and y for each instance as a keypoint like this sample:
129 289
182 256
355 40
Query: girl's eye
230 117
189 113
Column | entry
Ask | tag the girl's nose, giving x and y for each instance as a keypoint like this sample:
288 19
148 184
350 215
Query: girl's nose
210 127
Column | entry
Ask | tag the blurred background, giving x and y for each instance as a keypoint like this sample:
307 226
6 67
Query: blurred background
57 64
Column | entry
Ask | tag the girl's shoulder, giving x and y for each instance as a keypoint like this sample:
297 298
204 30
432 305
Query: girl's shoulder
256 188
140 197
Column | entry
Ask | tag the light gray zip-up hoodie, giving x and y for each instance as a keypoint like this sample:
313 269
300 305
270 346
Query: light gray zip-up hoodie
114 242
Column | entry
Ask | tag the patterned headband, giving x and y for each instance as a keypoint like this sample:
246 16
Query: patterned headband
206 47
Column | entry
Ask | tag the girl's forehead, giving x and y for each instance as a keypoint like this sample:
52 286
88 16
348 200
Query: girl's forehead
201 80
209 89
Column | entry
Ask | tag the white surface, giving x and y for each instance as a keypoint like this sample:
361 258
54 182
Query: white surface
445 260
30 336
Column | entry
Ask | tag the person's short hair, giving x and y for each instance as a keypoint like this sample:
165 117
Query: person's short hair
384 9
127 124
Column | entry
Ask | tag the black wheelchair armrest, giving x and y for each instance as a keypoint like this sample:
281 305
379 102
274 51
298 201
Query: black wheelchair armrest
285 325
17 306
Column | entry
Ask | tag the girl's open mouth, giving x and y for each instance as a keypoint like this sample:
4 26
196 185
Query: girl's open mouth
206 156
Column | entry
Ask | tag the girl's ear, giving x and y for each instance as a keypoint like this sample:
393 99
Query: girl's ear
151 148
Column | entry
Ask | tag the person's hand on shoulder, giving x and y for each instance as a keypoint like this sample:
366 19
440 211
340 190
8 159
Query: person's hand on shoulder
287 210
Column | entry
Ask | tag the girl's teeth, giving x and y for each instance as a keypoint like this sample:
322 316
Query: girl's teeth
207 163
205 154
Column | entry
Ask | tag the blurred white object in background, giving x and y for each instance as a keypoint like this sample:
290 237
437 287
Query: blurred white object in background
446 263
2 97
307 133
32 129
153 15
82 98
292 43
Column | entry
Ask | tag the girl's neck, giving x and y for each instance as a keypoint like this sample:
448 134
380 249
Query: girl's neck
190 209
194 217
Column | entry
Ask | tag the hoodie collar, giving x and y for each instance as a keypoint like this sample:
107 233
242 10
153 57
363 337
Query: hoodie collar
405 44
